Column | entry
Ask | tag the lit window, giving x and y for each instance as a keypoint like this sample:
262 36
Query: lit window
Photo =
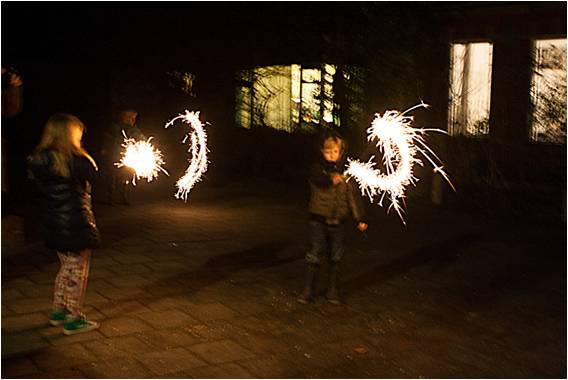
286 97
470 88
548 91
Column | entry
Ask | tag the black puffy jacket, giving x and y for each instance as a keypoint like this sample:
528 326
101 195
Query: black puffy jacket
69 220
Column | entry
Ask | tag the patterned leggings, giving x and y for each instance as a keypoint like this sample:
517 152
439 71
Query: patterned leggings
71 281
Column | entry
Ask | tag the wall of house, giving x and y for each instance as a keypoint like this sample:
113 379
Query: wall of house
505 161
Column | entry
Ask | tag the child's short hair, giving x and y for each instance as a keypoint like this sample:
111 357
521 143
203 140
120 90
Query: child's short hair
333 141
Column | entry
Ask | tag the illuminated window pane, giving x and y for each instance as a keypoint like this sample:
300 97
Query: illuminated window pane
296 93
310 102
470 88
273 88
548 91
286 97
311 75
243 107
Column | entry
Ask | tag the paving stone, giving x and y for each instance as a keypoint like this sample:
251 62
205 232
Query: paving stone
170 361
121 308
120 269
61 339
206 333
247 307
99 284
37 291
52 358
167 339
25 322
94 298
123 326
210 311
271 367
165 290
101 260
116 369
222 371
219 261
7 312
118 347
171 267
17 282
18 367
31 305
132 280
11 294
60 373
122 293
21 343
221 351
127 258
260 344
168 303
100 272
167 318
42 278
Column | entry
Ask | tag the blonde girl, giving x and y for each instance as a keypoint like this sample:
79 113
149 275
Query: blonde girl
64 171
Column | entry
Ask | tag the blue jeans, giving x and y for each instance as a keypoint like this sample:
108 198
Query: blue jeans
325 240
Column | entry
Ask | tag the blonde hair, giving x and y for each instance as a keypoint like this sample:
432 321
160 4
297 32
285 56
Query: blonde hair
333 141
57 137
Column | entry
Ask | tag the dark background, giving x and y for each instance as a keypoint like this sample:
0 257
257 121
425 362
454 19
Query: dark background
92 58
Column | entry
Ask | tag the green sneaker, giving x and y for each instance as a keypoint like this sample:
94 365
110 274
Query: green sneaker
77 325
58 317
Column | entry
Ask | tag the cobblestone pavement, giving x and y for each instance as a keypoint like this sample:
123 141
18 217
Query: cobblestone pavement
206 289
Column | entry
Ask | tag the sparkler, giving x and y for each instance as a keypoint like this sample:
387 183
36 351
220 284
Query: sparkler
399 143
142 157
198 148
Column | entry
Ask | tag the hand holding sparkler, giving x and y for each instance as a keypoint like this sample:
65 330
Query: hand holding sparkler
142 158
336 178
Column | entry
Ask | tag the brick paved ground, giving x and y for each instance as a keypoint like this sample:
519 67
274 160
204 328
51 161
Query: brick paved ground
207 290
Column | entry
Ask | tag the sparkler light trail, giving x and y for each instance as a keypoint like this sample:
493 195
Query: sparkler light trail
399 144
198 148
142 157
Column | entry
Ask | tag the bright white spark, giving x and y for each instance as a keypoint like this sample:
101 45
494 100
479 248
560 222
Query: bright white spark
399 144
198 148
141 156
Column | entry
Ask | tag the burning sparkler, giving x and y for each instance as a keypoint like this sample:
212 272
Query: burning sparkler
198 148
141 156
399 143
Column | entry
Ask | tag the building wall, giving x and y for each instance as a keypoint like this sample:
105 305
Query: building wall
506 159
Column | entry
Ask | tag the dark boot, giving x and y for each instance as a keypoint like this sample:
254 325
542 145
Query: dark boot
332 293
309 288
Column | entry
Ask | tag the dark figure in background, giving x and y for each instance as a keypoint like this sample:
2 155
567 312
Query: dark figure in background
64 172
332 200
119 178
12 105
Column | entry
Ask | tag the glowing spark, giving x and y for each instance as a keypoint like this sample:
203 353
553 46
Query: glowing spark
141 156
198 148
399 144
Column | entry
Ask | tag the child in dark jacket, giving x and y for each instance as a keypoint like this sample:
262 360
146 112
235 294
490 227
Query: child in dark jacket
332 200
64 171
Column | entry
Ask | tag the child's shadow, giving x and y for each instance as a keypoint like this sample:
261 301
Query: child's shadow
218 268
436 255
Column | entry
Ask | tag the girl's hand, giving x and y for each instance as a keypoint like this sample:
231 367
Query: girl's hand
362 227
